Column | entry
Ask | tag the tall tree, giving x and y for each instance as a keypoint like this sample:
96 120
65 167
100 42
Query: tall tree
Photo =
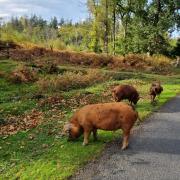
93 6
54 23
114 7
106 38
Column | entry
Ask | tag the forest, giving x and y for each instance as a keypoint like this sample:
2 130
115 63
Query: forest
113 27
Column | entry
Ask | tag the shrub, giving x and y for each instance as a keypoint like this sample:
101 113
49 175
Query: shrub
57 44
50 67
46 65
70 80
129 62
160 60
2 74
159 63
23 74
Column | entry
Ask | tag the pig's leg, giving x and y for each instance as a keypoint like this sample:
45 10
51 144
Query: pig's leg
86 137
125 143
130 100
152 98
95 134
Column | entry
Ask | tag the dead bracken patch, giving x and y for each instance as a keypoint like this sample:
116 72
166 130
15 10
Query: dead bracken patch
70 80
47 66
142 62
23 75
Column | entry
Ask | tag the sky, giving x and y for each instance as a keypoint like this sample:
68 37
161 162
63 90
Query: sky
75 10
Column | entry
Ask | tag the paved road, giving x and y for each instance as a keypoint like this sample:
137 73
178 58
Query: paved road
154 152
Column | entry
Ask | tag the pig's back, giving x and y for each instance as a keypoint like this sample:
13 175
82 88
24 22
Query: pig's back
107 116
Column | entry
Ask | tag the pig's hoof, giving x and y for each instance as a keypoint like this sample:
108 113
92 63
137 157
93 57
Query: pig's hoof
124 148
85 144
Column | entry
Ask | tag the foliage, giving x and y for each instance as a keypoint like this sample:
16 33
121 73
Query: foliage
70 80
176 49
134 26
23 75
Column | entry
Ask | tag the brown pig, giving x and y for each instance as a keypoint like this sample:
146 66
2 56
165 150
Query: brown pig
107 116
125 92
155 90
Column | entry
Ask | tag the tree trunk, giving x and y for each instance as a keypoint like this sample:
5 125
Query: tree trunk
96 44
156 20
125 36
114 28
106 42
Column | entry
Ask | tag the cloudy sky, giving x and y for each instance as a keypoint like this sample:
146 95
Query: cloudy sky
68 9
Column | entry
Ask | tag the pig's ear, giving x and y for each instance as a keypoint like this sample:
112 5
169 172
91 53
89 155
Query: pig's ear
113 90
67 128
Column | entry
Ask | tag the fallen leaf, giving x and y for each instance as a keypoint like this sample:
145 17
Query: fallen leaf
31 137
45 145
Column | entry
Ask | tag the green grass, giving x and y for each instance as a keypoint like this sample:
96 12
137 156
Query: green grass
8 65
15 99
29 160
48 155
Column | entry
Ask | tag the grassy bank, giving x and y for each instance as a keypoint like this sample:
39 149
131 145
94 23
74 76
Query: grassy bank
40 152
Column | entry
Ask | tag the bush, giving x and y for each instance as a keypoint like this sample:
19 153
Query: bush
129 62
23 75
2 74
70 80
46 67
160 60
57 44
